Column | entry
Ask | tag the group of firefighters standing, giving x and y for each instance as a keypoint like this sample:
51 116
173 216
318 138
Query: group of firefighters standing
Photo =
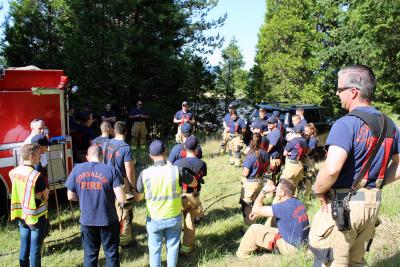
363 156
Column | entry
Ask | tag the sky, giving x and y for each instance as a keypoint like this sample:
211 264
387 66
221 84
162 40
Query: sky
244 20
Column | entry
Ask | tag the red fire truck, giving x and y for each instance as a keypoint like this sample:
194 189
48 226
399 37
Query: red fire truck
27 94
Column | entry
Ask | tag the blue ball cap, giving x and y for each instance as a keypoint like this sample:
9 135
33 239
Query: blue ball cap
40 139
297 129
272 120
157 147
275 113
191 142
186 128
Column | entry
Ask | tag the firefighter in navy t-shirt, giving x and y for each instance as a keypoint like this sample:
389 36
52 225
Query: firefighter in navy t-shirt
255 166
291 219
106 132
192 207
351 140
182 116
237 127
274 147
96 186
118 154
225 134
294 152
178 151
138 116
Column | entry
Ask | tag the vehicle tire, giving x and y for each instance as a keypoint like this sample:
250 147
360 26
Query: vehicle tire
4 202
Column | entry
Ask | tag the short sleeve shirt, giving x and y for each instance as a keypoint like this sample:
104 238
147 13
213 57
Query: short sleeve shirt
296 147
178 152
187 116
354 136
227 118
274 138
196 165
123 154
100 140
292 220
136 111
93 183
302 123
257 169
237 126
312 142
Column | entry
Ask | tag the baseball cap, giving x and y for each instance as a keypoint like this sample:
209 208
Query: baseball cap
297 129
40 139
157 147
186 128
191 142
184 103
231 105
272 120
275 113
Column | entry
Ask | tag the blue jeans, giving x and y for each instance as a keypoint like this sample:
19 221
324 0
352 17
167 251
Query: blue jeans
157 230
93 236
32 237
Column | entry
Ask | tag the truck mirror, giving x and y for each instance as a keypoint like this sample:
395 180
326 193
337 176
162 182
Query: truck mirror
2 72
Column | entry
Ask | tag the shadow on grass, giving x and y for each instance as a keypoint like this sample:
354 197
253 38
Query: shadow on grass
219 214
212 246
392 261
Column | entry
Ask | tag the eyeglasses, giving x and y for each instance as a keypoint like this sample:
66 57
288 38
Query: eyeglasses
341 89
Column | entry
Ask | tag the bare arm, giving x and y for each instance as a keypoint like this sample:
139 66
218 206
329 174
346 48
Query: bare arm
177 121
285 153
259 209
45 194
328 175
72 196
245 172
270 147
113 119
393 171
226 128
120 194
130 172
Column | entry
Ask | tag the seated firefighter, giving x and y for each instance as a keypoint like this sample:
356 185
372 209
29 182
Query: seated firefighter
291 219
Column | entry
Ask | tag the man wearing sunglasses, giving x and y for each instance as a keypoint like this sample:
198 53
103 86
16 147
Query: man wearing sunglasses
349 184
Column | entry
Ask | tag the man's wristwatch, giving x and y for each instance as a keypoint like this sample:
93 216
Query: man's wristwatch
315 193
264 192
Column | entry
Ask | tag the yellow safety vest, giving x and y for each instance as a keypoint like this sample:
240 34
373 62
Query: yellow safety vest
23 204
162 191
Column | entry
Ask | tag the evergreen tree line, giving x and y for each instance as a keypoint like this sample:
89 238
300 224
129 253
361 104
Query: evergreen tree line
119 51
303 43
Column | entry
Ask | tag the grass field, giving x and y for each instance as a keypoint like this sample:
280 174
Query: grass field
218 234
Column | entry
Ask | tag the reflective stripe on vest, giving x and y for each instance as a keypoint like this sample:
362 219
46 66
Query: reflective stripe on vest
162 191
23 203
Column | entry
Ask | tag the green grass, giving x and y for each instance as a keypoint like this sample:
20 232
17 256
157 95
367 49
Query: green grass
218 235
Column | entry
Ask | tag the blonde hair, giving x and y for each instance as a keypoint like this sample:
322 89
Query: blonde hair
28 150
312 128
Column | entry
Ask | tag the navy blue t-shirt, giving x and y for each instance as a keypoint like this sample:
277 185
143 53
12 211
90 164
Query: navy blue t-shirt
292 220
354 136
100 140
123 154
296 147
196 165
227 118
93 183
274 138
257 169
187 116
136 111
312 142
178 152
236 126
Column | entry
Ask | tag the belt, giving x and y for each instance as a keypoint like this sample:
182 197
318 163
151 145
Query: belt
253 179
358 196
293 161
194 194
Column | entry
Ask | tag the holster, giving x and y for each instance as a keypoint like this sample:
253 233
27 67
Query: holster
341 213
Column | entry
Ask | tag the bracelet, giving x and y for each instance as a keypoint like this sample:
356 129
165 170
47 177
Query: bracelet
265 192
315 193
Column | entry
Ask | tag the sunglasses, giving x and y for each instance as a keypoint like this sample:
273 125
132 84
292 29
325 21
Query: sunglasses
341 89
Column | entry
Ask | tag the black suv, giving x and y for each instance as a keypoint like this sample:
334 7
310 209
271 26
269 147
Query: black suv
319 115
